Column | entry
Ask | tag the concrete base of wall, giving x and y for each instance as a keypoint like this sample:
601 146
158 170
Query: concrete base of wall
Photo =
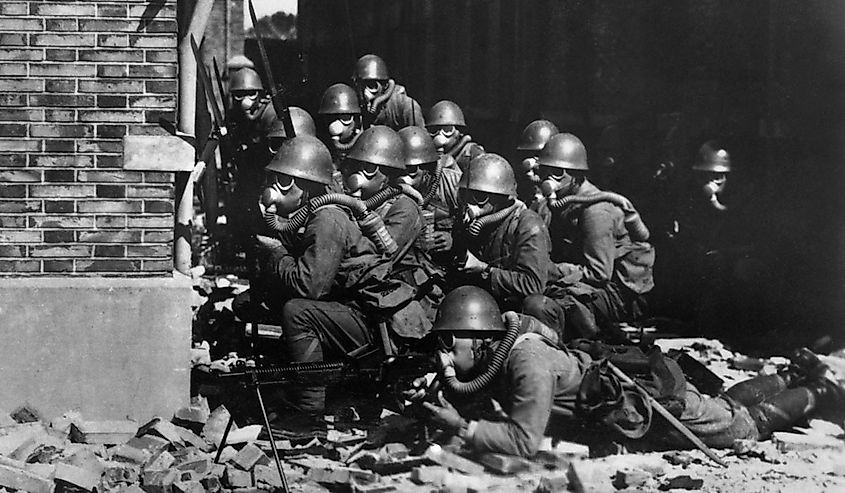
111 348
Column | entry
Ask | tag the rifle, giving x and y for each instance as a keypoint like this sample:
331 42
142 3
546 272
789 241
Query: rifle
276 95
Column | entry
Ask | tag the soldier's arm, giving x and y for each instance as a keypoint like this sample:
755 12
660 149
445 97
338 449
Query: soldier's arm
599 246
403 221
531 270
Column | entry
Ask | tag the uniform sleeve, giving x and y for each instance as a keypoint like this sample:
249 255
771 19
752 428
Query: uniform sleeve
312 274
529 272
599 244
403 221
532 386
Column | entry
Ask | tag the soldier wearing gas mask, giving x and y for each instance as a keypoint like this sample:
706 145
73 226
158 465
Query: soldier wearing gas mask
446 124
500 245
602 262
374 171
383 102
341 116
531 141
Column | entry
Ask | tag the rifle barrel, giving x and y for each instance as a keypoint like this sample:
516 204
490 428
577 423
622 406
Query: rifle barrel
281 109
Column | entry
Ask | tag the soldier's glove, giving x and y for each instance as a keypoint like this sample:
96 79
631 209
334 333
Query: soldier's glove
446 416
473 265
441 241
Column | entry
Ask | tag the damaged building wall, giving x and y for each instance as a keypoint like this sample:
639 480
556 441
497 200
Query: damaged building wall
77 79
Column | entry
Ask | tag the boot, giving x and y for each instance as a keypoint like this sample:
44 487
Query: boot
756 390
781 411
829 395
807 365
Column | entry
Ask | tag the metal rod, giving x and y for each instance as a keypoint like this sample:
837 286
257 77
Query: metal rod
270 434
223 440
281 108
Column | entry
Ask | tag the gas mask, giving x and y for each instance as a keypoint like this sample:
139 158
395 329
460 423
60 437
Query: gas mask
529 167
363 180
474 205
273 144
342 130
445 137
249 102
556 182
281 195
712 184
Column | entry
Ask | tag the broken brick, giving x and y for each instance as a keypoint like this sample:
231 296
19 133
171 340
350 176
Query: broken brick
19 479
125 453
787 442
159 481
211 484
87 480
630 478
268 475
434 475
682 483
103 432
188 487
165 429
340 475
161 461
237 478
552 484
249 456
26 414
504 464
151 443
119 472
438 454
216 425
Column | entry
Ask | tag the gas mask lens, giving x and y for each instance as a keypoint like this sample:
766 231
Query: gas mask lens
240 95
445 341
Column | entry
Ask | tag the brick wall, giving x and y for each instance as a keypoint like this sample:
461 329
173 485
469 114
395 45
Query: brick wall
75 77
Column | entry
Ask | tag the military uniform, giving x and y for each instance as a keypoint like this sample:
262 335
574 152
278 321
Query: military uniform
402 217
399 111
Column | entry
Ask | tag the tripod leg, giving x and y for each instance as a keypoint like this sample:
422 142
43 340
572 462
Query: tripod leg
272 439
223 440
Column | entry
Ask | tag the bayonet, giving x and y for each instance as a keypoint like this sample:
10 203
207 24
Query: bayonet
275 94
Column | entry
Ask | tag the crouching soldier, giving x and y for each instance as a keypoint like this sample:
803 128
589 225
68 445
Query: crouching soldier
500 245
602 263
546 389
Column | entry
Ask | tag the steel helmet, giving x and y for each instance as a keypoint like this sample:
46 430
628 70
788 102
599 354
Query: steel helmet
303 156
245 79
379 145
564 151
489 173
445 113
339 99
371 67
303 124
713 157
536 134
469 308
419 146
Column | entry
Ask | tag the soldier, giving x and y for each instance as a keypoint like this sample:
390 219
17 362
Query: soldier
375 163
445 122
600 272
342 116
544 388
383 102
500 245
532 140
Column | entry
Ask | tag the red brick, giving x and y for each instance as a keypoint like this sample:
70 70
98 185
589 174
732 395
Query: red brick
59 237
20 176
104 161
161 86
99 146
152 41
62 191
59 175
19 206
109 206
113 71
113 40
50 161
59 206
108 25
148 251
15 114
99 116
12 222
157 265
20 266
62 9
157 206
111 86
59 116
73 130
62 25
109 176
157 71
12 191
17 25
152 101
61 222
110 236
13 160
60 251
150 221
20 145
58 266
109 101
27 85
111 222
111 131
62 70
112 10
108 265
14 39
109 251
13 70
12 251
65 39
60 85
158 236
55 145
14 8
61 55
7 100
111 191
160 56
20 236
22 54
166 11
13 129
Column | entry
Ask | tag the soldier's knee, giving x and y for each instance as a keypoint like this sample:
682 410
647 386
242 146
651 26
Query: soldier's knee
295 318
